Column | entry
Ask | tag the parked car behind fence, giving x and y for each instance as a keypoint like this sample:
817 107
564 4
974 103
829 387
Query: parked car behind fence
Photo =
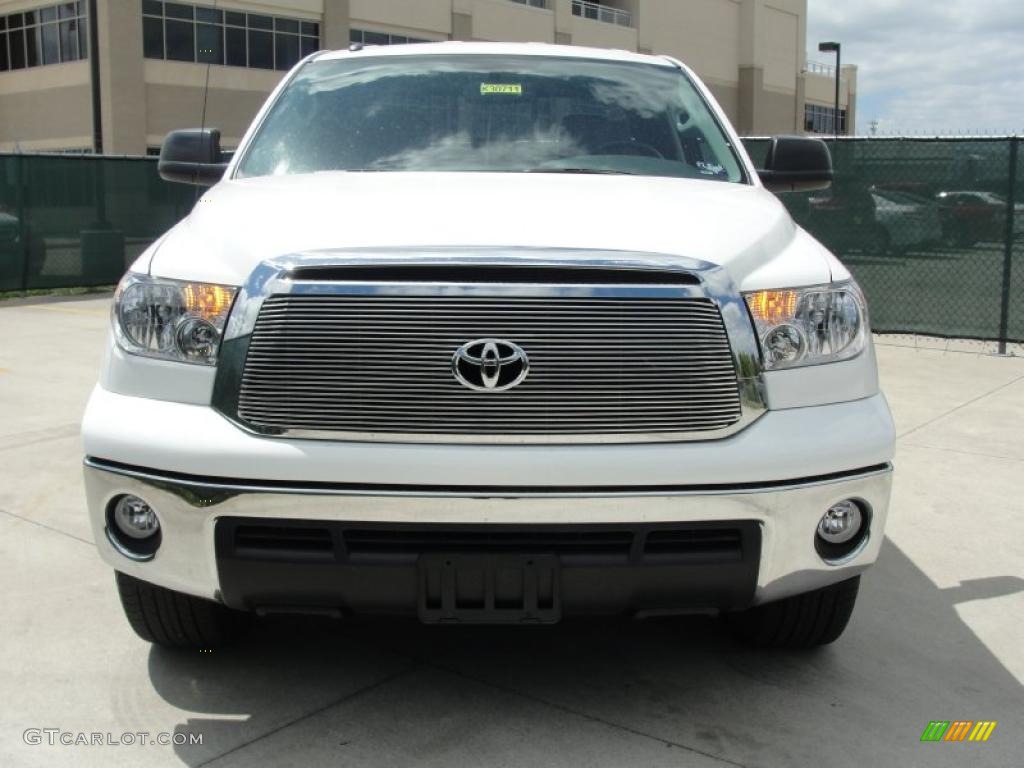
971 216
872 220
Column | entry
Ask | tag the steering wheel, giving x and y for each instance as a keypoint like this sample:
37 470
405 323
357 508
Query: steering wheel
646 150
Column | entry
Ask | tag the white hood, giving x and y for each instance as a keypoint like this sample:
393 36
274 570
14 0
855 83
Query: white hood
240 223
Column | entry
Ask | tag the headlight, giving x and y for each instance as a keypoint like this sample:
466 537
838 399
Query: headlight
171 319
807 326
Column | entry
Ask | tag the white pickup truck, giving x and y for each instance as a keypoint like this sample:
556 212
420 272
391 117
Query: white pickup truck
489 333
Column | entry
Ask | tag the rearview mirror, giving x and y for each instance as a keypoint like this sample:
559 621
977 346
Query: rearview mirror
796 164
192 156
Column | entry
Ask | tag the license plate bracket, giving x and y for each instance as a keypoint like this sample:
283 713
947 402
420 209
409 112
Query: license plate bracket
489 589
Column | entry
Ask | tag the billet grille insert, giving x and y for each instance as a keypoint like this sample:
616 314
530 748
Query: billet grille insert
382 364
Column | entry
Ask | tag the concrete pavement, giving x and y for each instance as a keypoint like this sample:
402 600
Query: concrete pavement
937 635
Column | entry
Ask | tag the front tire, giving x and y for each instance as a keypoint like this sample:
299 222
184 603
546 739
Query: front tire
801 621
173 619
879 241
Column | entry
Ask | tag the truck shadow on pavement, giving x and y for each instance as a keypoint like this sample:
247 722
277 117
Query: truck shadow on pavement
668 691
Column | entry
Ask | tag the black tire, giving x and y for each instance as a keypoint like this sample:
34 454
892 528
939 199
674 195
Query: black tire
176 620
964 236
802 621
879 240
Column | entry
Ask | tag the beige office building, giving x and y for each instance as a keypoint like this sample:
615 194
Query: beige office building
156 59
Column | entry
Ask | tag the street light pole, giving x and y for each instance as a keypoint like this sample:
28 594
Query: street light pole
94 77
826 48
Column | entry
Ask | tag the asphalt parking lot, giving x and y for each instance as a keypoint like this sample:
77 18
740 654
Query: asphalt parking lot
938 633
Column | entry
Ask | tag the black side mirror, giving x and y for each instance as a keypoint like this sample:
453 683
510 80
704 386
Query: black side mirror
192 156
796 164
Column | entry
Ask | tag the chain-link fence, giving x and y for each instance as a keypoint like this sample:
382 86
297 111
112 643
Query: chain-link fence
930 227
80 220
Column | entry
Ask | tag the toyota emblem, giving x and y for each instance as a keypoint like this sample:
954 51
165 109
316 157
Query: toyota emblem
490 365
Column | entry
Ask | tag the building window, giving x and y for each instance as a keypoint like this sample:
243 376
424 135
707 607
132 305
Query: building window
365 37
820 119
180 32
50 35
533 3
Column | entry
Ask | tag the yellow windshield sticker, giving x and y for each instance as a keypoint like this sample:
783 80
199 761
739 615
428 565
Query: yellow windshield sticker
511 89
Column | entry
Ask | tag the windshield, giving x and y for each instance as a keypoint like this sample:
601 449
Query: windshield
491 113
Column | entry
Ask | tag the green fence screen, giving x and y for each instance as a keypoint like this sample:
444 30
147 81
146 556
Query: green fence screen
80 220
931 228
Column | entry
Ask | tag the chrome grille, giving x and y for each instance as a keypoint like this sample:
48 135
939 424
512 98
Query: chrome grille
382 364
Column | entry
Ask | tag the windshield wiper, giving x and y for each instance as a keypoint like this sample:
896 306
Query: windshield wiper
604 171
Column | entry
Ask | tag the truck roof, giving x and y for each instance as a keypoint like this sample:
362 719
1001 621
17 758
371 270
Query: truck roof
496 49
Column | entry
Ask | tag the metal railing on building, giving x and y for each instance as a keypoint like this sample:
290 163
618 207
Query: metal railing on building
598 12
533 3
819 68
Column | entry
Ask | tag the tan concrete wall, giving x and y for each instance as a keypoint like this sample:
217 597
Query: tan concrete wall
13 6
462 26
334 27
62 120
412 15
728 98
760 110
851 95
702 33
776 113
597 34
298 9
512 22
174 98
748 97
821 89
122 89
780 49
169 107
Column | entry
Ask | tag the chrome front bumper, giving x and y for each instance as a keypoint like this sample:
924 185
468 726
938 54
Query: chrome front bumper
189 506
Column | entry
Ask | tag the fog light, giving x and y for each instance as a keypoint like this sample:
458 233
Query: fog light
843 531
133 528
840 523
135 518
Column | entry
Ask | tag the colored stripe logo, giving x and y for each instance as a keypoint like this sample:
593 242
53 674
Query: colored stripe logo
958 730
982 730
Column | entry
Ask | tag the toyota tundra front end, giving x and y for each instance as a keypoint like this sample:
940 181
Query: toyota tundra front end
489 333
